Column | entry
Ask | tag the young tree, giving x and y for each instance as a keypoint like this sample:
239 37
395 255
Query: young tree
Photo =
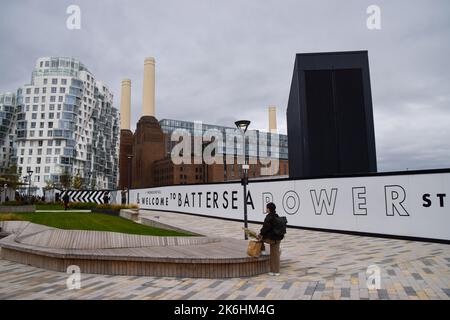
77 182
93 184
65 180
13 176
49 185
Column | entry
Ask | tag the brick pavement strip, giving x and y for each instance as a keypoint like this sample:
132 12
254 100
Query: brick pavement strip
315 265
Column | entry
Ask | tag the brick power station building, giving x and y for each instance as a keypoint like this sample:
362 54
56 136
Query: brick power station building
145 155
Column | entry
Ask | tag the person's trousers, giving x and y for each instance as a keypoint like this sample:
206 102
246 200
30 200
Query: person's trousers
274 258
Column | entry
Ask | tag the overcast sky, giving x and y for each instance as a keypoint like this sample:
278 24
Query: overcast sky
219 60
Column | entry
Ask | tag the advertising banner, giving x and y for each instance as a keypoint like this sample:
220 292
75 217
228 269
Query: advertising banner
412 205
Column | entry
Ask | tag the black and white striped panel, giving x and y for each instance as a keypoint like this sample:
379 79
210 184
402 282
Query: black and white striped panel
95 196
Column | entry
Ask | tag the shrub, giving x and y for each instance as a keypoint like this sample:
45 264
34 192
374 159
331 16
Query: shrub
116 207
82 205
10 217
49 206
14 203
92 205
49 203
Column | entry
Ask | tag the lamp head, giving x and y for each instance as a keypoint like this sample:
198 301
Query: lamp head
242 125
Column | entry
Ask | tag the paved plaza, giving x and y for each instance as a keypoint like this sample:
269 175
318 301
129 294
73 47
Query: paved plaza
314 265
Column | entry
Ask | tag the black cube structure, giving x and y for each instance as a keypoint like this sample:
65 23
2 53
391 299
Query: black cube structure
329 115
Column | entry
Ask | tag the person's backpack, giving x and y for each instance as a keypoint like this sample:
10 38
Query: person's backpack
279 226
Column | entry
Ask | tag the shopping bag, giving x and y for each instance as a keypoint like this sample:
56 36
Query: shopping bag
254 248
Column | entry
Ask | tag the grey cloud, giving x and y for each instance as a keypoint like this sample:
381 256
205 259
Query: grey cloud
222 60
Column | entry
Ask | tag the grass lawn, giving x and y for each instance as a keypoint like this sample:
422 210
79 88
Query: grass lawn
89 221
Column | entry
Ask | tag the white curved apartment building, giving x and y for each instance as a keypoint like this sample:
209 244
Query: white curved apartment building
7 131
66 122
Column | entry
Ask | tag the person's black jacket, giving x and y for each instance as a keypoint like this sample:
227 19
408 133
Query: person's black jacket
267 228
66 198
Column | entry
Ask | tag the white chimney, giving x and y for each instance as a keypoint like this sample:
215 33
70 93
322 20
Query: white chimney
148 98
125 104
273 119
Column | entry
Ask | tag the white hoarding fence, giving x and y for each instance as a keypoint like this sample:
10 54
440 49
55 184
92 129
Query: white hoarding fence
412 205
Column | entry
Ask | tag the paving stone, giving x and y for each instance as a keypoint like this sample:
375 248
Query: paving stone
447 291
417 276
286 285
410 291
315 265
345 292
310 290
320 287
264 292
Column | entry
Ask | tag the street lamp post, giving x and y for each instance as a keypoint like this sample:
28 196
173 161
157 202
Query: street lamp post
25 180
129 157
243 126
5 186
30 172
89 180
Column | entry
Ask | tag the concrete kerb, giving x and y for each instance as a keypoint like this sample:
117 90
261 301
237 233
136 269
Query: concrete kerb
41 246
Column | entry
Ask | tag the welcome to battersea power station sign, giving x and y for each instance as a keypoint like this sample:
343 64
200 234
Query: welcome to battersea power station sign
413 205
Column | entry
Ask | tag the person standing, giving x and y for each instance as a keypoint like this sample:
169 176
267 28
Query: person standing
270 233
105 198
66 200
124 197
